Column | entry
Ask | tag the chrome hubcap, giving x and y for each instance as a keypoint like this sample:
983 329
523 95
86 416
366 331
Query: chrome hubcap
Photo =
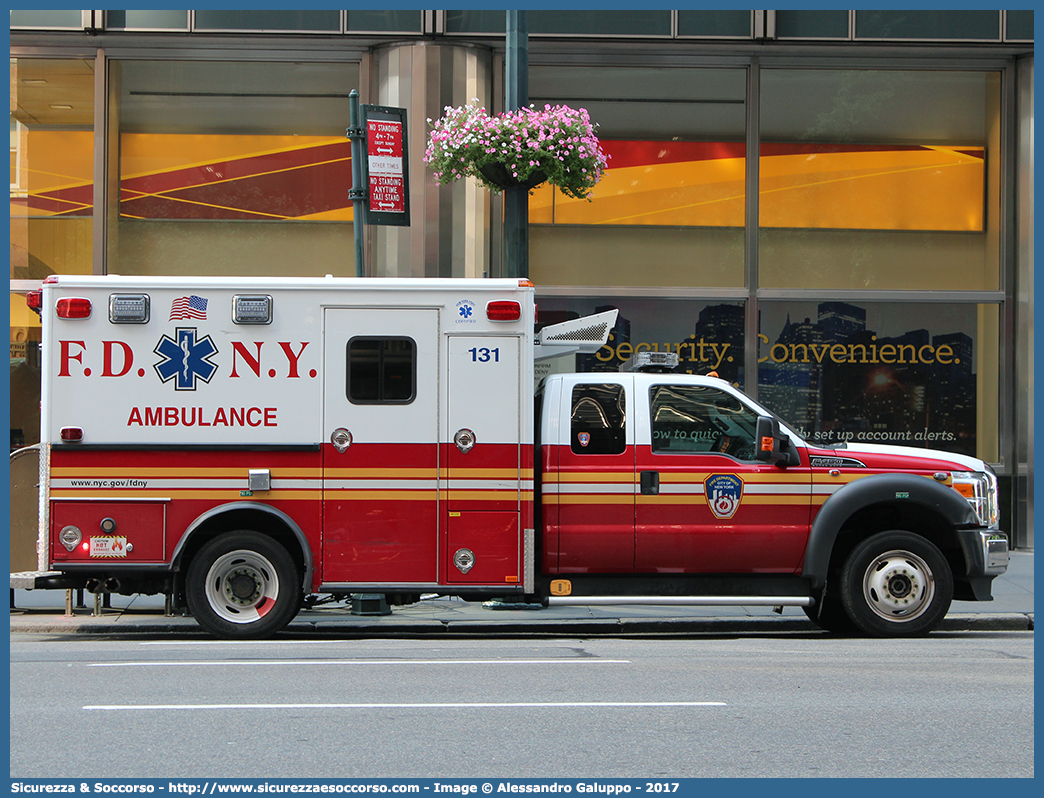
898 586
242 586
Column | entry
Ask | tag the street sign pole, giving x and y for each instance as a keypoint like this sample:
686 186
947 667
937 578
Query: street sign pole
357 193
516 95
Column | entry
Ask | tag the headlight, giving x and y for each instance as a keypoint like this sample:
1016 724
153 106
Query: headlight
980 489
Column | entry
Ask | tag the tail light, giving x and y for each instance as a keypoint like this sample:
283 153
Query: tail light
503 310
71 434
73 307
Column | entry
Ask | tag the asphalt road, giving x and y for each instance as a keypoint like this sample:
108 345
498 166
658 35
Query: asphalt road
950 705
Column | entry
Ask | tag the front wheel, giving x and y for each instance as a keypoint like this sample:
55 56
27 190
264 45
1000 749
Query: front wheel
896 584
243 585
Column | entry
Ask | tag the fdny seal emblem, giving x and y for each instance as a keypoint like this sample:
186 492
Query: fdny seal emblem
584 438
185 359
723 494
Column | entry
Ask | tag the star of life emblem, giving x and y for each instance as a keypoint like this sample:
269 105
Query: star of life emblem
724 492
185 359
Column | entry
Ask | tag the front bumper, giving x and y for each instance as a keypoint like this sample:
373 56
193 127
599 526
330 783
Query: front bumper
986 556
994 545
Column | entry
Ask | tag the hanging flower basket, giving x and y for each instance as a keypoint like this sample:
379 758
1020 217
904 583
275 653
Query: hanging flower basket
523 147
499 175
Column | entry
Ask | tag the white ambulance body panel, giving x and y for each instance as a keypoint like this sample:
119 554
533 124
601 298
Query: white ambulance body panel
191 375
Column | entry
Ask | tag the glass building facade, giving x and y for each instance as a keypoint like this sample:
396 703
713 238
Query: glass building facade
832 209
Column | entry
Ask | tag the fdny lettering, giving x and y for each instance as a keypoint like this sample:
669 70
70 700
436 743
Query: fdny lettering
117 360
68 354
107 358
199 417
253 361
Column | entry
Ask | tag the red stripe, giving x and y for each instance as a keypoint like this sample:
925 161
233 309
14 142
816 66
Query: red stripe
236 169
649 153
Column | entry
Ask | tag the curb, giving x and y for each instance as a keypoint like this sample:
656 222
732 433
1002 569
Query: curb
609 627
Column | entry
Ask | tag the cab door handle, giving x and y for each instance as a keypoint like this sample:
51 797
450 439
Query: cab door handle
650 483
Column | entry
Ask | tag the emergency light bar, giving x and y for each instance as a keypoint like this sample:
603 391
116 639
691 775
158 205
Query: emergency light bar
650 361
129 308
252 309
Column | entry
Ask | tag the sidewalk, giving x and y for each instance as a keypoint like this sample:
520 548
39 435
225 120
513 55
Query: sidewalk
43 612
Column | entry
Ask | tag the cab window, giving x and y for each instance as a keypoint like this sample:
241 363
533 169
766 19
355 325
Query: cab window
700 419
597 419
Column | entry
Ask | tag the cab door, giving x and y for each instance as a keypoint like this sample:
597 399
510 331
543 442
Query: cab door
595 476
706 505
380 455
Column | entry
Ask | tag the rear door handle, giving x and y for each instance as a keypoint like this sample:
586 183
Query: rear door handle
650 483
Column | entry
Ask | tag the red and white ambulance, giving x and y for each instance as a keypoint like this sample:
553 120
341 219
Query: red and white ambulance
247 446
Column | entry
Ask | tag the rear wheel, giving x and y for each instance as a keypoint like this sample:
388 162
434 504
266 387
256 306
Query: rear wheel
896 584
243 585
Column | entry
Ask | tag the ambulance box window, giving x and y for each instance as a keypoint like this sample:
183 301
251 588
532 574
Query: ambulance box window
382 371
699 419
597 419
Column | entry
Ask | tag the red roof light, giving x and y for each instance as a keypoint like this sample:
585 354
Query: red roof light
503 310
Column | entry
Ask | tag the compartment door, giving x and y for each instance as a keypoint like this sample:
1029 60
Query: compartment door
380 450
483 543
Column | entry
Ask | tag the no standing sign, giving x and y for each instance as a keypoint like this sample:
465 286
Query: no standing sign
387 166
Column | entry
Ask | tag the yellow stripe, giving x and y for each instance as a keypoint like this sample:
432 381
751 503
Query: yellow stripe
72 472
695 498
599 476
385 496
673 476
175 473
841 479
484 495
289 495
701 476
216 495
381 473
698 498
485 473
595 498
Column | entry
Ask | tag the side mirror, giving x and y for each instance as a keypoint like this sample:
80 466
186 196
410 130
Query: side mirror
771 444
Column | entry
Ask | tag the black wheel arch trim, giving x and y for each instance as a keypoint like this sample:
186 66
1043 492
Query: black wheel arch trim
878 489
222 509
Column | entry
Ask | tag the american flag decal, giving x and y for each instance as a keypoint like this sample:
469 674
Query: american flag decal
188 307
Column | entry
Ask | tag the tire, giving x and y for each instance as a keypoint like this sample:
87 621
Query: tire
896 584
243 585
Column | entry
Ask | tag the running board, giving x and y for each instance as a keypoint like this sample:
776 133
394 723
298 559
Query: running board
691 601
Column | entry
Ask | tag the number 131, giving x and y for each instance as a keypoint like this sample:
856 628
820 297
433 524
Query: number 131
484 355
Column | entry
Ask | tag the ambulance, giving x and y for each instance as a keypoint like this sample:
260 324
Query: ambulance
249 447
